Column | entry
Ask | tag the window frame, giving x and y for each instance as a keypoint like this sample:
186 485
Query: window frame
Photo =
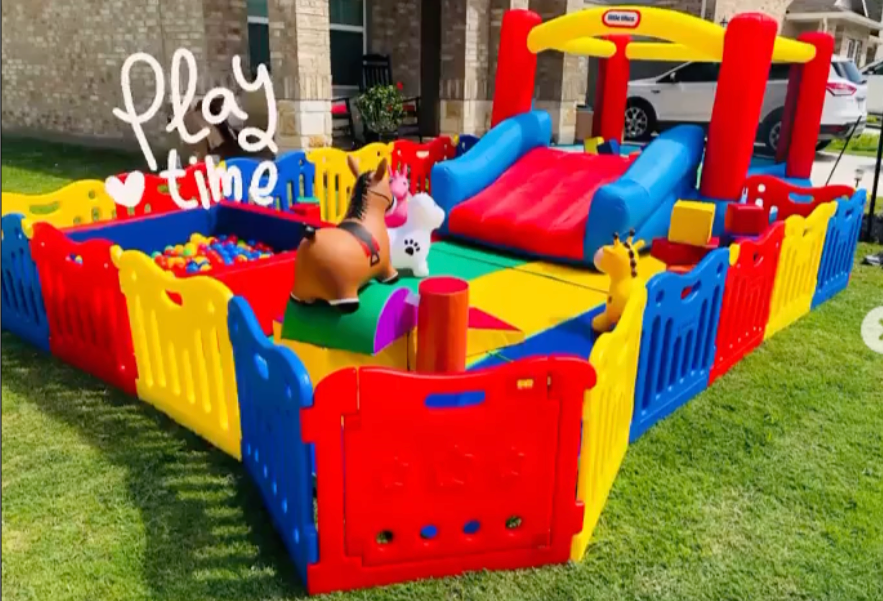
351 29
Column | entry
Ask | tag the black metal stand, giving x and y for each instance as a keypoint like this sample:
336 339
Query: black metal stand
870 228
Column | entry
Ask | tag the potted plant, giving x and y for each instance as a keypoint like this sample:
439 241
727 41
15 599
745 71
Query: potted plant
382 111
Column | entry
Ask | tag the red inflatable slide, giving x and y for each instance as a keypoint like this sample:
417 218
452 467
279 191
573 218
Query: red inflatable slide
540 205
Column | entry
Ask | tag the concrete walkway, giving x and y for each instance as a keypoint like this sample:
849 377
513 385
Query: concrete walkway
846 170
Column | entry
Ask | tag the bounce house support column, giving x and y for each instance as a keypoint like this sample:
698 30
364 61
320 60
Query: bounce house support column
612 91
442 325
516 66
748 52
808 83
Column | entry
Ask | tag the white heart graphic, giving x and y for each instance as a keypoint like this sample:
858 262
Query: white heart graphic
126 194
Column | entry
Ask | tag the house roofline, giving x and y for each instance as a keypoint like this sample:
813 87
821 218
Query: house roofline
849 16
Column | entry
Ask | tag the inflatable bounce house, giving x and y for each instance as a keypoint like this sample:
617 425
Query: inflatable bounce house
456 390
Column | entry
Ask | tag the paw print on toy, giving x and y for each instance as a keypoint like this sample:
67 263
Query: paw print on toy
411 247
410 243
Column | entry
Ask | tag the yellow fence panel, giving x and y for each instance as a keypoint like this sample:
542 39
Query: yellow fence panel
607 413
84 201
798 270
334 182
182 348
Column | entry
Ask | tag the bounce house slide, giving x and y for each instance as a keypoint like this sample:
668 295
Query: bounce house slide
512 191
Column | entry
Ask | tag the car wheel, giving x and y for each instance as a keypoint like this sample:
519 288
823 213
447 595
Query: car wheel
823 145
772 130
640 120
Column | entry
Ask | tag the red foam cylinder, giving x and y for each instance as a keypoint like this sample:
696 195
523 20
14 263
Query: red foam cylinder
745 220
516 66
748 53
442 325
806 121
612 90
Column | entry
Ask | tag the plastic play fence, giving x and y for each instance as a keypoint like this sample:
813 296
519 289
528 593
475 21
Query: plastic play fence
499 468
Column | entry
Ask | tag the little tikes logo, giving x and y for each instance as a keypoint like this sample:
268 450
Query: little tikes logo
626 19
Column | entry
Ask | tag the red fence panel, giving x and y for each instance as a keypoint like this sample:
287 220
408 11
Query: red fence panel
448 473
418 160
156 198
774 192
747 295
87 314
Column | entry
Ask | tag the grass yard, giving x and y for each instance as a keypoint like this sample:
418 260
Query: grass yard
767 486
863 145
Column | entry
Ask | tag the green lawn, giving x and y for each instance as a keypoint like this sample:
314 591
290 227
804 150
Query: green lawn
864 145
768 486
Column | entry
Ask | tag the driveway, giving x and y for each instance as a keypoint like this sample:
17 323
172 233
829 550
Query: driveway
846 169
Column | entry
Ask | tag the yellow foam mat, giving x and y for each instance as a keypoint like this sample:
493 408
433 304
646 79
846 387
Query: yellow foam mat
607 413
588 278
320 362
529 301
798 269
182 348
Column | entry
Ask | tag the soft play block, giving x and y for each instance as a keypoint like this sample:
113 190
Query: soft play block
745 220
609 147
691 222
591 145
679 254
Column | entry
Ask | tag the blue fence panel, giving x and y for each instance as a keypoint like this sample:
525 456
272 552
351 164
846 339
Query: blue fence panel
464 143
22 311
841 241
273 386
296 175
678 339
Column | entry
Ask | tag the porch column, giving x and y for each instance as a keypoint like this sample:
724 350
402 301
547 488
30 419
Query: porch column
300 56
562 79
465 105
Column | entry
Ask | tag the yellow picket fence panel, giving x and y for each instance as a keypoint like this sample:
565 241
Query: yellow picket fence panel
334 181
84 201
182 348
607 413
798 270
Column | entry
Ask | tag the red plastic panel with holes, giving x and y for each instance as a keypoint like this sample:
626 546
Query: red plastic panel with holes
789 199
156 198
434 475
747 295
418 159
87 314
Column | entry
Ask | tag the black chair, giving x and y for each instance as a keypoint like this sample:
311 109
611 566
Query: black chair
342 125
377 71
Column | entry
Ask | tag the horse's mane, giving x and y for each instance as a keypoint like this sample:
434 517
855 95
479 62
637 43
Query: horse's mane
358 199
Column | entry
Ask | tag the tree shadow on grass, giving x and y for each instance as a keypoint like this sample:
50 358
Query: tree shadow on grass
208 535
68 161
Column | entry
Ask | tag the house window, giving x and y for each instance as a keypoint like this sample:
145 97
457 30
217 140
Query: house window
348 42
258 35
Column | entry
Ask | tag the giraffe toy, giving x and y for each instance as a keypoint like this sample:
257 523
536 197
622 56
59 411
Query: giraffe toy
619 261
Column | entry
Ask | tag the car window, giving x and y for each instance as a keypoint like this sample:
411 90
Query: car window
780 71
876 70
847 70
697 72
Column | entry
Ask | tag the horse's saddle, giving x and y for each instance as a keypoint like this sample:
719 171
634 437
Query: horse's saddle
368 241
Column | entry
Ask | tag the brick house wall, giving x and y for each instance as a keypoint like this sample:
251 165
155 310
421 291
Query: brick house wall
725 9
62 60
394 29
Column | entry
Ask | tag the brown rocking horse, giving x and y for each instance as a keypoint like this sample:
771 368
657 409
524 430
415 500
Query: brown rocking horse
333 263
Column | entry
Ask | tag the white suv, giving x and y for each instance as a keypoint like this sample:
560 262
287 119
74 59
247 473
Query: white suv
873 73
686 95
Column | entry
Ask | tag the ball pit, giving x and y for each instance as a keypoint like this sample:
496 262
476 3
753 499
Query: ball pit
207 253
